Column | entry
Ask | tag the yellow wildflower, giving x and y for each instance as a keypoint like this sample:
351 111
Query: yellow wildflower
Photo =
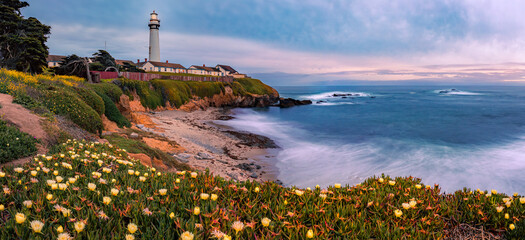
79 226
37 226
507 216
511 226
381 180
392 183
412 203
418 186
186 236
214 197
28 203
196 210
499 208
18 170
106 200
405 205
226 237
310 233
60 229
132 228
257 189
33 173
398 213
49 197
64 236
299 192
2 207
20 218
522 200
172 215
194 175
163 191
130 237
72 180
92 186
131 172
266 221
2 174
177 180
237 226
204 196
337 185
59 179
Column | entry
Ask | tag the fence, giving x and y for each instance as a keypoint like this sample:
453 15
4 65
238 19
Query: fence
105 75
149 76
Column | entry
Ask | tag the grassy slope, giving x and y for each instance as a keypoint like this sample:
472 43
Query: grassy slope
364 211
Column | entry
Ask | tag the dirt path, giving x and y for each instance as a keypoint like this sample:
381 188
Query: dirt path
24 120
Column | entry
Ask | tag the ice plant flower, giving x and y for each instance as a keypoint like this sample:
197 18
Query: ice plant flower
226 237
132 228
522 200
398 213
193 174
186 236
114 191
91 186
59 179
18 170
60 229
512 227
2 207
237 226
381 180
418 186
64 236
163 191
196 210
72 180
130 237
499 208
214 197
28 203
20 218
412 203
37 226
337 185
507 216
79 226
204 196
392 183
131 172
33 173
322 195
257 189
310 233
493 191
49 197
405 206
172 215
266 221
106 200
299 192
2 174
177 180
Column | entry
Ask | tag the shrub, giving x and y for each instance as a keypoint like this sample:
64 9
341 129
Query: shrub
68 104
109 89
15 144
112 112
91 98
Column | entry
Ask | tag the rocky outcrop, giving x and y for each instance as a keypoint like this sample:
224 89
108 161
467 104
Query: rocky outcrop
290 102
228 99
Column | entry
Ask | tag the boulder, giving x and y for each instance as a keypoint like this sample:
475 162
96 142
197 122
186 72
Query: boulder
134 135
290 102
203 156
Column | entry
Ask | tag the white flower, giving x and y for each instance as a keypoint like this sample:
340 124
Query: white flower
37 226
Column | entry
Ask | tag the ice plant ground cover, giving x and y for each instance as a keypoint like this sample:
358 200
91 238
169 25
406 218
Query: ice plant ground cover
94 191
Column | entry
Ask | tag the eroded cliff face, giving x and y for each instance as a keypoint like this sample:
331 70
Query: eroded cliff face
226 99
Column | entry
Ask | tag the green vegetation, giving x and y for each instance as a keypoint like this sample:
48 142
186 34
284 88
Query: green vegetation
15 144
112 112
254 86
136 146
68 104
109 89
92 99
148 97
109 196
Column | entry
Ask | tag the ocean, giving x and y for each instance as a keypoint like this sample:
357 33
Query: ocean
456 137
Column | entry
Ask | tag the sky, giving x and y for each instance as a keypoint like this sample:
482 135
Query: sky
306 42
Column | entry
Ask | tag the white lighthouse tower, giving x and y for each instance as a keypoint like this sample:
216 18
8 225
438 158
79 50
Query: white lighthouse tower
154 47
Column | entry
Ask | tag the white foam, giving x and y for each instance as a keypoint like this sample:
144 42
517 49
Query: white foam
455 92
330 95
307 160
332 103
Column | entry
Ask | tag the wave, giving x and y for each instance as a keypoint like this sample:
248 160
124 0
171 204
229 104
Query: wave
453 91
306 160
332 103
330 95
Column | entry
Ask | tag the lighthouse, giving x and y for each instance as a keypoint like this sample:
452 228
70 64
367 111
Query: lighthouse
154 47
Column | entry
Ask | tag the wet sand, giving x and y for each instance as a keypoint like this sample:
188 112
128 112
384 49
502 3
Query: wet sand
236 155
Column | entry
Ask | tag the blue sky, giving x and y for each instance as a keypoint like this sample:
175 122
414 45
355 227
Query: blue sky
306 42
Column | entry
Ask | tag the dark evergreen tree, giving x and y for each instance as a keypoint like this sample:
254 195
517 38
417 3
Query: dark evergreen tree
104 58
22 41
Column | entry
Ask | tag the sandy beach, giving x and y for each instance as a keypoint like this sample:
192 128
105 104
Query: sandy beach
225 152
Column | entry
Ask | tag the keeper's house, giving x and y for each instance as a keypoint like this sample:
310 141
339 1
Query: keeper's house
162 67
54 60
